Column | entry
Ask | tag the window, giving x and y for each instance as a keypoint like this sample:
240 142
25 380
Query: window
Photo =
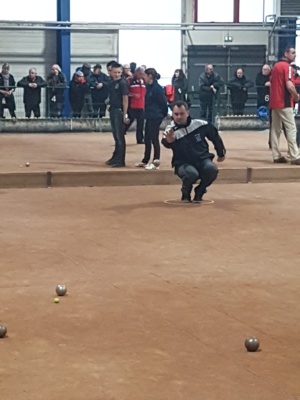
215 11
255 10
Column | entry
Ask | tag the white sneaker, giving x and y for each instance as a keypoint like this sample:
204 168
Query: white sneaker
140 165
151 166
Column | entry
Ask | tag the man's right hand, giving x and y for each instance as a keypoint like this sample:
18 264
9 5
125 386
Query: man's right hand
170 136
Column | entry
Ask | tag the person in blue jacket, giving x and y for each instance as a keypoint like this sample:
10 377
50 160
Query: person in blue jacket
156 109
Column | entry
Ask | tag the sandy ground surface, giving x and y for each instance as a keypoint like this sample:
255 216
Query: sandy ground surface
160 297
88 152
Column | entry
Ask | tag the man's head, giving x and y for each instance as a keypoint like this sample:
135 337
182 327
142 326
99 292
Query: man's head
180 112
116 71
32 73
139 73
55 69
239 72
109 66
5 68
266 70
209 69
289 54
126 70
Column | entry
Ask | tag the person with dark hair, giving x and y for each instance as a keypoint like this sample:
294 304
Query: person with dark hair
192 159
156 109
32 84
109 66
77 93
137 93
100 91
283 95
118 101
7 88
132 67
238 87
56 81
91 81
180 85
210 84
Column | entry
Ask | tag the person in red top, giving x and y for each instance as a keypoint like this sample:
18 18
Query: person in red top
283 95
137 93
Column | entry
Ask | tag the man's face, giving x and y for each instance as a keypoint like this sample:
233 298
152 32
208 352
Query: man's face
32 75
126 69
97 71
239 73
139 75
116 73
209 69
180 115
5 70
290 55
266 70
54 71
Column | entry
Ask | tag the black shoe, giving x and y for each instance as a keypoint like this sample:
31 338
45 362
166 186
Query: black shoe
117 165
280 160
140 142
186 198
295 162
198 195
111 161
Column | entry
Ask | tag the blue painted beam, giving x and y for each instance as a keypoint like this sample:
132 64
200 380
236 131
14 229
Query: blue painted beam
63 47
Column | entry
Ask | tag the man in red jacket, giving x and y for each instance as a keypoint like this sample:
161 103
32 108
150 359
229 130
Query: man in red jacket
283 95
137 93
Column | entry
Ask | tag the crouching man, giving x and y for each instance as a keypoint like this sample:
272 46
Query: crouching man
191 157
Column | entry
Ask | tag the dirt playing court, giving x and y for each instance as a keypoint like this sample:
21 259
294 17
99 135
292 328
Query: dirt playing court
160 297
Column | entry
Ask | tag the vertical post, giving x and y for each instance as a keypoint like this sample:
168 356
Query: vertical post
63 49
236 11
195 11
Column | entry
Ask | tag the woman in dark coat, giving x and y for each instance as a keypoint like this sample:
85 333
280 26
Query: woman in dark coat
78 90
180 85
156 109
238 87
7 88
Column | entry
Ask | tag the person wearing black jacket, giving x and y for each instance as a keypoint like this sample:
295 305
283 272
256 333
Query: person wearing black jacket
156 109
32 85
56 81
180 85
79 89
100 91
191 157
7 88
238 87
263 86
209 86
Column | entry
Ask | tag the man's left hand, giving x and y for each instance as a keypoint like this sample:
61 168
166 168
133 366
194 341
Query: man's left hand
221 159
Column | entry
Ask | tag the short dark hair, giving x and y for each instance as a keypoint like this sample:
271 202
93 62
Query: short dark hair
287 49
116 65
180 103
110 63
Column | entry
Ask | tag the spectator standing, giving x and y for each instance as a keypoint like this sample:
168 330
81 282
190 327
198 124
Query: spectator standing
91 81
238 87
32 85
209 86
57 83
180 85
100 91
126 73
7 88
137 93
77 93
263 86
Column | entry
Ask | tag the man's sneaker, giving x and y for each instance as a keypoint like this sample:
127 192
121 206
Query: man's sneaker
110 162
295 162
281 160
151 166
140 165
117 165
